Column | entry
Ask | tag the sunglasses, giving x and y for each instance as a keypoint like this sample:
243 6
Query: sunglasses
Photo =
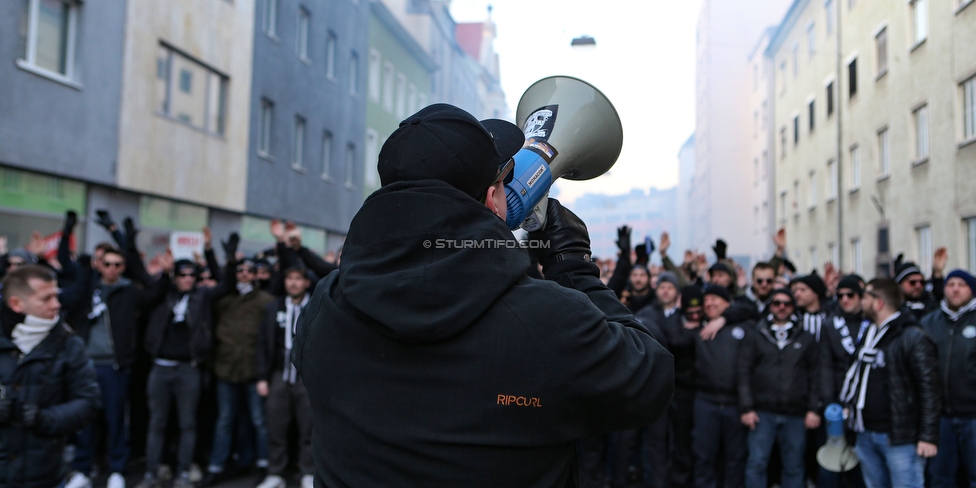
113 264
245 269
780 303
914 282
846 295
502 173
693 313
186 275
764 281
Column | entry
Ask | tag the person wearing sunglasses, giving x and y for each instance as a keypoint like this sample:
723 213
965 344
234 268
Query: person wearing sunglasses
431 358
179 339
756 297
842 329
919 298
779 392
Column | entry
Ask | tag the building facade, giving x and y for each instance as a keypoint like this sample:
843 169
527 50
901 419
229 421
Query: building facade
875 112
684 232
761 150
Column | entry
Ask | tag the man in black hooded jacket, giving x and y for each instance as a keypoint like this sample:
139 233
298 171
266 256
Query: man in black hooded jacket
430 362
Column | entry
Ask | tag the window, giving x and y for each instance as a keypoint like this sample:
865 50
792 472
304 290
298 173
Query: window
923 234
52 27
371 178
401 96
813 190
298 144
270 17
796 59
830 99
388 87
267 118
782 205
765 165
421 100
831 14
855 167
764 115
812 39
810 107
852 78
782 77
755 124
374 76
920 20
921 118
831 180
782 142
411 99
884 153
796 130
814 259
350 165
189 91
856 256
326 156
971 243
755 172
796 198
834 252
330 56
883 239
881 42
302 46
969 109
353 73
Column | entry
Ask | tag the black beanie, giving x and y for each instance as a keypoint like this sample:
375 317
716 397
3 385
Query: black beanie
904 270
815 282
719 291
783 291
691 296
851 282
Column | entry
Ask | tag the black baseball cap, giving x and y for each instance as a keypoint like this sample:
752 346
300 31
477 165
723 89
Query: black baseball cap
443 142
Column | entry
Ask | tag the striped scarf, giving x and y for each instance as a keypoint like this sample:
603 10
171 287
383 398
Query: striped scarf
855 387
812 322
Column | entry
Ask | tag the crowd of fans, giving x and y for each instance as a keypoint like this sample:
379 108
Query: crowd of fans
189 362
190 365
759 356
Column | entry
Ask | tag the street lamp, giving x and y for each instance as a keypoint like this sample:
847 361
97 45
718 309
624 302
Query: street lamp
583 43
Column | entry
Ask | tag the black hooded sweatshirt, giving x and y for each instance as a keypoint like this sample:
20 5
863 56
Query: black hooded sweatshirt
430 364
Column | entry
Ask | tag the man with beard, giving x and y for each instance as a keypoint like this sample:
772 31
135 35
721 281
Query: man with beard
638 293
810 292
756 298
716 414
953 328
779 392
893 392
721 274
921 298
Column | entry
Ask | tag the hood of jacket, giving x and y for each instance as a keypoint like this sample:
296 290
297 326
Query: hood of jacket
423 261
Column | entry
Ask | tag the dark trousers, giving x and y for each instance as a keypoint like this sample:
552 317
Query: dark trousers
655 454
115 391
231 398
287 402
620 452
681 415
718 429
957 448
169 384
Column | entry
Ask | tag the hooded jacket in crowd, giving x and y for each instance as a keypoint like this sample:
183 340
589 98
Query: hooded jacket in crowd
955 337
670 332
431 364
779 376
716 361
839 336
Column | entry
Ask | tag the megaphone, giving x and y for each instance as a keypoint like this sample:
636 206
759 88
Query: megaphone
571 131
836 456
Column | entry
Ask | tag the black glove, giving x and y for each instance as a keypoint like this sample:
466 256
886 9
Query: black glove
104 219
230 246
70 220
29 414
566 234
720 249
6 409
130 232
623 239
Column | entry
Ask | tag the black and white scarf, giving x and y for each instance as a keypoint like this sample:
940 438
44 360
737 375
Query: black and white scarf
846 339
954 316
290 323
855 388
812 322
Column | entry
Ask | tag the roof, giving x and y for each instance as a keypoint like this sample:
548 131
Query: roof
785 26
469 36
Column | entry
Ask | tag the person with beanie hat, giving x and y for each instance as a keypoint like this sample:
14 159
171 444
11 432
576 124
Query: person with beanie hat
921 296
810 292
839 336
779 391
953 328
716 415
757 296
722 275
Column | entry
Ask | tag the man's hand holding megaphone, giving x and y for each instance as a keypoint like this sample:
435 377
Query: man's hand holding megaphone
566 234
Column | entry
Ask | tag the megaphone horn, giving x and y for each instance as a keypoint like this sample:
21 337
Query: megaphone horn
836 456
571 131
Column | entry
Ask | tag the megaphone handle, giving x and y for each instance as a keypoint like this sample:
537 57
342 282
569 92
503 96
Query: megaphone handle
537 217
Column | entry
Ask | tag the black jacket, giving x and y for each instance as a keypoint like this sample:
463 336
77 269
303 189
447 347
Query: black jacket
198 319
679 341
915 390
270 348
838 341
783 381
58 377
956 343
430 365
716 361
124 306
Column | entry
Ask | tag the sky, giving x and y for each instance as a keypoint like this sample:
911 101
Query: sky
644 63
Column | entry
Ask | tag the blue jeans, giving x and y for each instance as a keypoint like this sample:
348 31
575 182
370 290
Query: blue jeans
231 397
718 427
887 466
114 385
957 442
791 434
